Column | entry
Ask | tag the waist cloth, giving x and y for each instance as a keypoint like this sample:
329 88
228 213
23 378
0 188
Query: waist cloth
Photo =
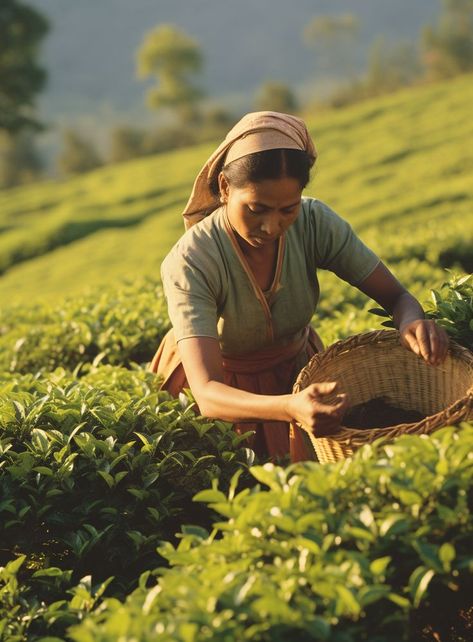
269 371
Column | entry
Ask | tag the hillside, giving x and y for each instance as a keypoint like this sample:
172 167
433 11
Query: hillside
127 515
396 167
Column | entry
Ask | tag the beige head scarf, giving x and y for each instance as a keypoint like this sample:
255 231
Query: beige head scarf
255 132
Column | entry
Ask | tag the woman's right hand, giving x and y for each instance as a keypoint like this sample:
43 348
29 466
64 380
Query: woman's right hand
308 408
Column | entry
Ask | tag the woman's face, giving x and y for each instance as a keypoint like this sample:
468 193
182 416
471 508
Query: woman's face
261 212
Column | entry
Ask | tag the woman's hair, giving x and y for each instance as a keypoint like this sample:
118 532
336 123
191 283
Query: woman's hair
267 165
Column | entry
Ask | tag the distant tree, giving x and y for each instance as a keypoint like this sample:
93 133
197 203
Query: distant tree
171 57
276 96
21 78
20 161
214 124
391 66
448 47
333 39
218 116
126 143
169 137
78 154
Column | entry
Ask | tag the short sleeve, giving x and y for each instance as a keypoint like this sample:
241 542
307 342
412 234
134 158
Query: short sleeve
191 297
337 248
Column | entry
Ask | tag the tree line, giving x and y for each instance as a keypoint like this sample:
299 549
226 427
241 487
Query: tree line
174 60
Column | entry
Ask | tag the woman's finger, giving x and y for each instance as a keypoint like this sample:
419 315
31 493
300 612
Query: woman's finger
322 389
329 410
423 341
434 344
410 340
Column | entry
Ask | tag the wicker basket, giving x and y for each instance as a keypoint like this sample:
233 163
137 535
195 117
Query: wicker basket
375 364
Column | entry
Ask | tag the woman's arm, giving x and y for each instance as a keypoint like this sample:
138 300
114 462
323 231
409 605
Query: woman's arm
202 361
422 336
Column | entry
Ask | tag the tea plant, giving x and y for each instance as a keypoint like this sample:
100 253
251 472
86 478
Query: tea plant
118 326
452 307
343 552
94 472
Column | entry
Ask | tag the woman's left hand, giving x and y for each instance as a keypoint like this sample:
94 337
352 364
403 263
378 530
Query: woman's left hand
426 339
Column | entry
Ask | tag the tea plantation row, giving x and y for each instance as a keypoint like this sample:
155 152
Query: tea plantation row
375 549
124 325
396 167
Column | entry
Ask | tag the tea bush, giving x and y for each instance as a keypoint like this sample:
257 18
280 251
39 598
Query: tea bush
452 307
94 472
120 325
343 552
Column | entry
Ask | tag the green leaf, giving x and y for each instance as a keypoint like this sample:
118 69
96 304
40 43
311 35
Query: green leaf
380 312
210 496
43 470
319 628
19 411
350 603
464 279
14 566
266 475
393 525
40 439
436 297
154 513
429 554
196 531
140 494
107 477
418 583
401 601
52 571
378 566
447 554
370 594
360 533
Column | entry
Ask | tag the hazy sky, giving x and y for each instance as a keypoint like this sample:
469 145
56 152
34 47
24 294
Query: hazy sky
90 51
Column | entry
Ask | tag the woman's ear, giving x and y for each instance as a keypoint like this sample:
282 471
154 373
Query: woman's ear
223 187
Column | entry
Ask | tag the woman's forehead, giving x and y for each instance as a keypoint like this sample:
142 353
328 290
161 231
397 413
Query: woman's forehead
267 191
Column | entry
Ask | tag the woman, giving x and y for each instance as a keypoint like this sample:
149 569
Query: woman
241 288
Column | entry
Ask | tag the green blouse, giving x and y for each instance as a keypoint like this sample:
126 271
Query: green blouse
211 291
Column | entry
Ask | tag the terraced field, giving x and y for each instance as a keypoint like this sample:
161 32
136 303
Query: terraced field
398 168
125 515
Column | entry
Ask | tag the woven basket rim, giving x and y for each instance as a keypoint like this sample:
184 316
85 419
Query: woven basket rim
351 436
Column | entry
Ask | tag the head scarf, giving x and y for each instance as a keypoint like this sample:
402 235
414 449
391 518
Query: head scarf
255 132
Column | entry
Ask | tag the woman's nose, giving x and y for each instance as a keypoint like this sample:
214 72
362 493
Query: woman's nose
270 225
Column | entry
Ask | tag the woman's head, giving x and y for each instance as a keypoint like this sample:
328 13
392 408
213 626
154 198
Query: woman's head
262 192
262 146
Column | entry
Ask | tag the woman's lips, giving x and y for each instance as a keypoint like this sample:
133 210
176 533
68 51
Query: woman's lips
266 239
